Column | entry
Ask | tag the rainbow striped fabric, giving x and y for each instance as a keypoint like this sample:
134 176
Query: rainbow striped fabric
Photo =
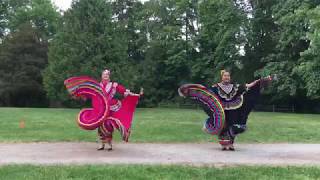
211 104
86 87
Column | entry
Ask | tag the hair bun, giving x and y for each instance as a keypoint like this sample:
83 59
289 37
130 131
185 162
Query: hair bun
222 72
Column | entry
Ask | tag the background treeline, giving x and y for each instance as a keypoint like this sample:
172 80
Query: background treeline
159 45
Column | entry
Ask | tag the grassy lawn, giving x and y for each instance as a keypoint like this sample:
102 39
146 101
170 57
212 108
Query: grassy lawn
91 172
155 125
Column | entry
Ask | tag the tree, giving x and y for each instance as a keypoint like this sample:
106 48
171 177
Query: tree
260 32
309 64
22 58
293 24
86 43
26 27
40 13
165 65
3 17
127 17
221 36
8 9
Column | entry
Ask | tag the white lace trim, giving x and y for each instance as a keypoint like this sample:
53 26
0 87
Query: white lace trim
226 88
116 107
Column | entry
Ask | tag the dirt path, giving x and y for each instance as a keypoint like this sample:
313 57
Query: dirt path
193 154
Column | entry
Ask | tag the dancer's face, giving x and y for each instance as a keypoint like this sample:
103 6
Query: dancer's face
226 77
105 76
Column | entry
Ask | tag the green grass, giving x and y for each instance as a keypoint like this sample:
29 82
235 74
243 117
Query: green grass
113 172
155 125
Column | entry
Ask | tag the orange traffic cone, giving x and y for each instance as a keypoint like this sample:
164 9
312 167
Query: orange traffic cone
22 124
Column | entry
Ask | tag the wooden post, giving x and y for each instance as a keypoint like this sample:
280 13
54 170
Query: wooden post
293 108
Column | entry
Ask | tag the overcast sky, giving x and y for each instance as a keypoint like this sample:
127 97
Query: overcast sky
62 4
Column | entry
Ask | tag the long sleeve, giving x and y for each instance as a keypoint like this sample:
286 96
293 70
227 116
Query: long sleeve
241 89
122 90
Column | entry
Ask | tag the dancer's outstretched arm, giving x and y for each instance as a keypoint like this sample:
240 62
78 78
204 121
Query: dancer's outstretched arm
252 84
268 78
128 92
140 93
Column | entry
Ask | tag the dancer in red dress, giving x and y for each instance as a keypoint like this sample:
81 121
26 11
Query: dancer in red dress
107 112
121 111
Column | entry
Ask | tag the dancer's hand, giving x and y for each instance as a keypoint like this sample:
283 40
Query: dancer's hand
274 77
134 94
251 84
141 91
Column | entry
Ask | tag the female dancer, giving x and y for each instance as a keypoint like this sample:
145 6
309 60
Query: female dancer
227 105
116 107
107 113
238 101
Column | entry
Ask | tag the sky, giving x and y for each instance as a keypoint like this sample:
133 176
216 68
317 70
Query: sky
62 4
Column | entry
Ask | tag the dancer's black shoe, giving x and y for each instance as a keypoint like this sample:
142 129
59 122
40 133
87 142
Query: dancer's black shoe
231 148
101 147
110 146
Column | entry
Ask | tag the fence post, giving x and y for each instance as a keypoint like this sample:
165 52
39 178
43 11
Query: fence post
293 108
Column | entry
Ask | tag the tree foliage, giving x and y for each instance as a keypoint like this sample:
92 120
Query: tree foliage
23 56
160 44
